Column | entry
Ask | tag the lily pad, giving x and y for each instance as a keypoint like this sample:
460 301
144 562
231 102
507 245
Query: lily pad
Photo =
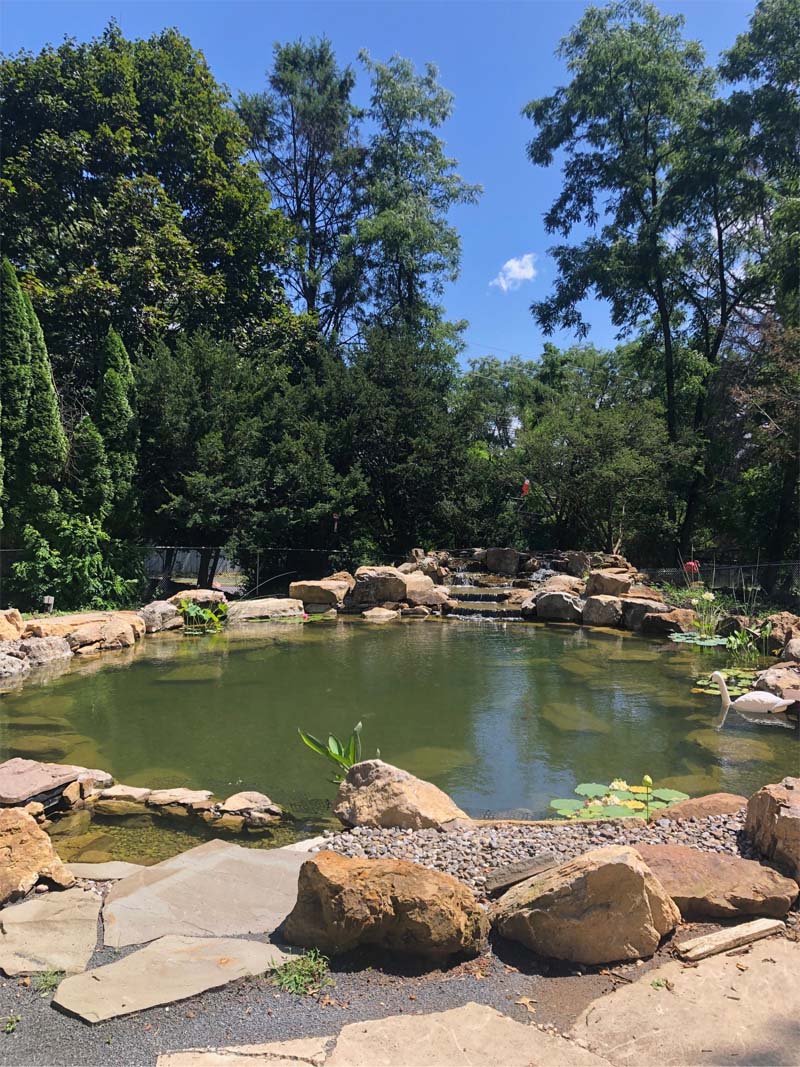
696 639
566 805
616 811
591 789
669 795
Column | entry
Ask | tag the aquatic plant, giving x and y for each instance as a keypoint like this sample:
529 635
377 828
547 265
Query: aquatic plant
343 755
616 801
738 681
199 620
698 640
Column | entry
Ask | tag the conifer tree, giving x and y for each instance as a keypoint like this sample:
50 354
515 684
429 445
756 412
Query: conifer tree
115 420
15 359
42 452
90 491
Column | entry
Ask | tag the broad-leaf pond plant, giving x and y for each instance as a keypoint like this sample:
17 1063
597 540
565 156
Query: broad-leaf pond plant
617 800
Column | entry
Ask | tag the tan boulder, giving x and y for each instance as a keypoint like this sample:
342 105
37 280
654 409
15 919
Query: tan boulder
503 561
374 585
608 583
380 615
773 823
328 591
111 633
732 624
677 621
785 627
343 576
65 625
578 563
602 610
564 583
26 855
646 592
559 607
393 904
12 625
702 807
605 905
634 610
204 598
41 650
375 793
780 680
713 885
791 650
160 615
273 607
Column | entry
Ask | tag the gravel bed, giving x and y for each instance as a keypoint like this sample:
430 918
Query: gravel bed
470 854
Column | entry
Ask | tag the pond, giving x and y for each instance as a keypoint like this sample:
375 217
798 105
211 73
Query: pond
502 716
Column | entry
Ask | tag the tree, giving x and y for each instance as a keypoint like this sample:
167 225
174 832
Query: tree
115 420
15 372
90 490
410 247
303 133
125 198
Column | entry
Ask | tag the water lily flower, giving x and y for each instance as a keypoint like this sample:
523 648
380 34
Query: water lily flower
694 601
647 781
708 596
618 783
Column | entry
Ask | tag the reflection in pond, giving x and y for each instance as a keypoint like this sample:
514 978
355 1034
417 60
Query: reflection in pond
503 716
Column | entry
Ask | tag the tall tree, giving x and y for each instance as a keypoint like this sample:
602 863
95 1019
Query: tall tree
115 420
410 186
125 198
303 133
15 374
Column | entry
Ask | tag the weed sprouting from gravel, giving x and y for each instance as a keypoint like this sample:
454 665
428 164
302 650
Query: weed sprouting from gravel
46 982
305 975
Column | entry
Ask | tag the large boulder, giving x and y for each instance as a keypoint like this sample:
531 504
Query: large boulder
564 583
26 855
732 624
380 615
602 610
713 885
677 621
608 583
785 627
503 561
780 680
376 585
634 610
11 624
160 615
773 823
578 563
204 598
111 633
559 607
13 665
67 625
273 607
375 793
605 905
393 904
328 591
702 807
791 650
41 650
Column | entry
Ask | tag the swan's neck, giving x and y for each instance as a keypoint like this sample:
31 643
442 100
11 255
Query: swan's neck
723 689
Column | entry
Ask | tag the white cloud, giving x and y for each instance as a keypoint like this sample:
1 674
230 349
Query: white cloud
515 271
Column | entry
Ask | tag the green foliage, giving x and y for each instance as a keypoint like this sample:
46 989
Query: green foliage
115 420
342 754
616 801
90 489
200 620
304 975
10 1024
15 359
46 982
739 681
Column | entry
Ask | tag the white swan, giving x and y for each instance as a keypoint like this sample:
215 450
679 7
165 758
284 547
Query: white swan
755 701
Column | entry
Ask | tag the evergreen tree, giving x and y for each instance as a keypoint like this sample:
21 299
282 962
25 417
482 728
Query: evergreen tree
90 490
15 374
42 451
114 419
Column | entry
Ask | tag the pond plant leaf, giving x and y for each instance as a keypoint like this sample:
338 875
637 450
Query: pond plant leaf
566 805
591 789
669 795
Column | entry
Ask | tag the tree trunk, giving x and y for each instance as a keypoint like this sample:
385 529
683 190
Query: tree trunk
209 559
783 530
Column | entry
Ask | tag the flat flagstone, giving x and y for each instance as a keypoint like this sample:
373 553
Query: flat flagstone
170 969
473 1035
23 779
110 871
215 890
728 1009
295 1053
55 932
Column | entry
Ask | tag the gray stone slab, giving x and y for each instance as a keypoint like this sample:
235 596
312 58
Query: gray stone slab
53 932
23 779
112 871
215 890
169 969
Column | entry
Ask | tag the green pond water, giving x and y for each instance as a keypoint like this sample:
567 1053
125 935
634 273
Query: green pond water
502 716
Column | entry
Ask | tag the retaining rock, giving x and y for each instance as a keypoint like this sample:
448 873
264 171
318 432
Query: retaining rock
375 793
604 906
773 823
559 607
393 904
503 561
608 583
602 610
27 854
11 625
634 610
676 621
160 615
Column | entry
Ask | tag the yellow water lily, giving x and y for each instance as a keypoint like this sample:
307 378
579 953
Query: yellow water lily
637 789
634 805
708 596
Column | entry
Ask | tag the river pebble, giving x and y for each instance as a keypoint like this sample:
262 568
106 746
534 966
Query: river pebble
471 854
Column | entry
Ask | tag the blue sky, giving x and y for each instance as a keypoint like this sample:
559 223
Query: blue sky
494 56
